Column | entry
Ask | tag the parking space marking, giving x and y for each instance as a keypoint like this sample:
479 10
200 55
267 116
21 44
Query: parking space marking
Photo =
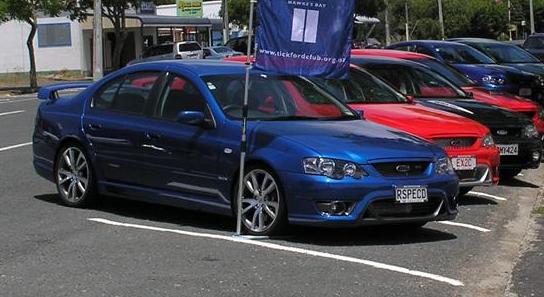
484 195
11 112
14 146
464 226
278 247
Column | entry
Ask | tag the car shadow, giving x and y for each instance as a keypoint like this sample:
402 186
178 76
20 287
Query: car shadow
468 199
153 212
514 182
362 236
366 236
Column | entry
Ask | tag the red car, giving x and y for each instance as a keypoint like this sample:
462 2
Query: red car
468 143
507 101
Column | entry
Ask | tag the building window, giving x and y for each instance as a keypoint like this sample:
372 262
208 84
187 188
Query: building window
53 35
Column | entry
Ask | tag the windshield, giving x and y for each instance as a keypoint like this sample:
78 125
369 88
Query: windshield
418 82
505 53
222 49
462 54
276 98
448 72
189 47
362 87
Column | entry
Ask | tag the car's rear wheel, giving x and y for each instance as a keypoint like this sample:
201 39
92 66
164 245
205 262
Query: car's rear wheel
263 205
509 173
74 177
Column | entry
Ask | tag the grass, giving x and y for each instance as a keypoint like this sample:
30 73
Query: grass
21 79
539 210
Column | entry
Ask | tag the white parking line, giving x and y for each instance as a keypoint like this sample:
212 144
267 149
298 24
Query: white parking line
12 112
464 226
278 247
484 195
14 146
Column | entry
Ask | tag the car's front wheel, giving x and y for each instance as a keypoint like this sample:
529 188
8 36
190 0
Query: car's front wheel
74 177
263 205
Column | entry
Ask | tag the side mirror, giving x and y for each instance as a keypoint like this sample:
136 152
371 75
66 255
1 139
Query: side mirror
195 118
361 114
410 99
470 95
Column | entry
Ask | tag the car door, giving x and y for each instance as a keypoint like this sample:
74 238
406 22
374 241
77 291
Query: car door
185 156
114 125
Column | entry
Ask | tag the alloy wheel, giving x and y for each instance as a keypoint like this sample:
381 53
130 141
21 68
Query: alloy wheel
261 201
73 175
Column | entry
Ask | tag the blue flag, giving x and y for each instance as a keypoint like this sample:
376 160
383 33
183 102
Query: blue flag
305 37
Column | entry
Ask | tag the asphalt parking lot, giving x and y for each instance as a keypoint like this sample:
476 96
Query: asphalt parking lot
126 248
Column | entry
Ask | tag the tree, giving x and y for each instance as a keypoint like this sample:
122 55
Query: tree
26 11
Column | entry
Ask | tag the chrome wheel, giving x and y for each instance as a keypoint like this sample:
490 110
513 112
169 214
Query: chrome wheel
72 175
261 201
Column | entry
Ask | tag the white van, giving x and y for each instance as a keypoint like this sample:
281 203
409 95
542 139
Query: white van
169 51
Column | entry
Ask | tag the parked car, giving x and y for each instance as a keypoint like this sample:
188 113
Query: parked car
179 50
219 52
468 143
505 100
515 135
478 67
508 55
168 132
239 44
535 45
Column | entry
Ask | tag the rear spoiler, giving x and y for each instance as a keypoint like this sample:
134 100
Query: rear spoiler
51 92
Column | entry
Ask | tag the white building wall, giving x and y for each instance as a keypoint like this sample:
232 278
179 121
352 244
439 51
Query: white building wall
14 53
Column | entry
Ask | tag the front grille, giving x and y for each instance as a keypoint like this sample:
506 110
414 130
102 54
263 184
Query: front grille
529 114
389 208
461 142
506 132
394 169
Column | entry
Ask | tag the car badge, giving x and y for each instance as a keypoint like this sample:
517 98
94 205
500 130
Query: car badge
502 132
403 168
455 142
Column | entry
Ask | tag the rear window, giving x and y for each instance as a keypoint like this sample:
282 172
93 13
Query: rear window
189 47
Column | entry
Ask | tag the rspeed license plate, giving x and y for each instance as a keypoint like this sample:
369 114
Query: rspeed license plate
411 194
508 149
464 163
525 92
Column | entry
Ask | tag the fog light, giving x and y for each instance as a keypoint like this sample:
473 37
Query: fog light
334 208
536 156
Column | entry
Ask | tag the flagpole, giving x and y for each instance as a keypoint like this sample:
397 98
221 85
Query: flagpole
243 143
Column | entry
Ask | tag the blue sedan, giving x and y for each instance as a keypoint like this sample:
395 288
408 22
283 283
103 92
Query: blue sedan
168 132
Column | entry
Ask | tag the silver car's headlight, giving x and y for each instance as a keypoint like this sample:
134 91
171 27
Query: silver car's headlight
530 131
444 166
488 141
332 168
494 80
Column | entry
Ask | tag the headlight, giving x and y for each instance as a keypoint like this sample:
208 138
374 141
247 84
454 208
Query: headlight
332 168
494 80
530 131
444 166
488 141
540 81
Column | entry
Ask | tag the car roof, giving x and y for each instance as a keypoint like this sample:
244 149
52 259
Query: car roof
476 40
389 53
429 42
198 67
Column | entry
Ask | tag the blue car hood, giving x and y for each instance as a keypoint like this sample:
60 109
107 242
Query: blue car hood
357 141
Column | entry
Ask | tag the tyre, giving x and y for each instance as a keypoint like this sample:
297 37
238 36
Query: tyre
464 191
263 205
509 173
74 177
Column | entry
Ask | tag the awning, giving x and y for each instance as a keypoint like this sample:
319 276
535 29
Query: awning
170 21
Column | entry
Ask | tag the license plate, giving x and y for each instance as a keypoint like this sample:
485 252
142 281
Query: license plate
508 149
411 194
525 92
463 163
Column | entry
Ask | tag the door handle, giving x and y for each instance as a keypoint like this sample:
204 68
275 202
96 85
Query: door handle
152 136
95 127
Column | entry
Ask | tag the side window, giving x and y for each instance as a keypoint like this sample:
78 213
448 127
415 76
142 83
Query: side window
424 50
180 95
128 94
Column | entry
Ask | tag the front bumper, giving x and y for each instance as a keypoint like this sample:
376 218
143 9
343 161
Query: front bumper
486 172
372 198
524 159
